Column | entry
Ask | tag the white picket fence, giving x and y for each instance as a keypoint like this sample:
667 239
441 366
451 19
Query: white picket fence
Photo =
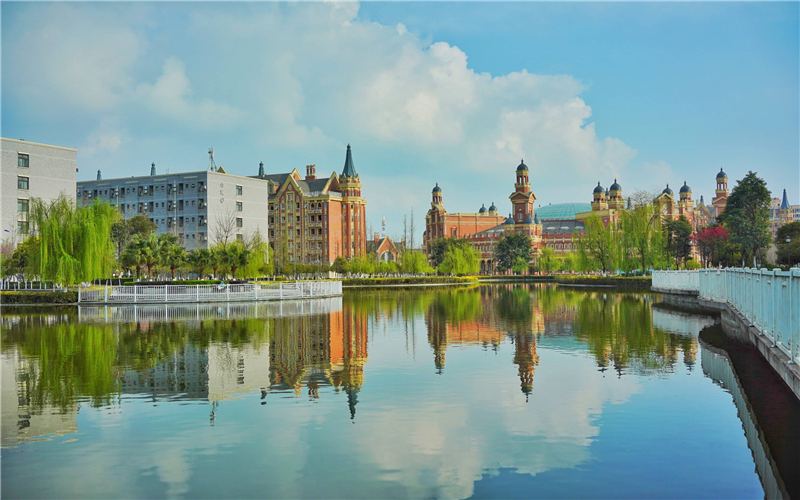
208 293
770 300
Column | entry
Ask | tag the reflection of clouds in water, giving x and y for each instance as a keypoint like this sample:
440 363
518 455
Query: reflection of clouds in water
442 449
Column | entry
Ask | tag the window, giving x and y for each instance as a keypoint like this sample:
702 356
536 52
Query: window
240 238
298 206
238 206
298 218
22 182
298 232
22 160
272 220
239 222
239 190
22 227
22 205
283 220
271 207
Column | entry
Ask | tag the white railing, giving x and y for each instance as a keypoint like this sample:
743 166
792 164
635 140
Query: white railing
127 313
679 281
769 300
209 293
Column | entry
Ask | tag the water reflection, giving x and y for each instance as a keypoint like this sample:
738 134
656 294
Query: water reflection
437 388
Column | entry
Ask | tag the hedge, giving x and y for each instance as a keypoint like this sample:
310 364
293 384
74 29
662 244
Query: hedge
641 282
181 282
517 277
418 280
13 297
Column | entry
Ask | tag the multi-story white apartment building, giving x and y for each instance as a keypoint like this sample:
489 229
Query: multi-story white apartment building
200 208
32 170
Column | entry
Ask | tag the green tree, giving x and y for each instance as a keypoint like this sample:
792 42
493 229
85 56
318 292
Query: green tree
175 258
414 262
679 239
788 253
746 216
440 246
547 260
132 257
199 260
123 231
74 243
513 248
460 260
640 236
340 265
19 262
260 258
598 247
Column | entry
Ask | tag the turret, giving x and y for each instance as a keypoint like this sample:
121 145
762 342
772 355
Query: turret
599 198
615 199
153 168
261 169
523 184
686 193
436 194
100 178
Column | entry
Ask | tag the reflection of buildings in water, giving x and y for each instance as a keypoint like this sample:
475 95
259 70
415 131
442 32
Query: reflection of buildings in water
184 374
329 351
718 367
526 359
489 331
21 421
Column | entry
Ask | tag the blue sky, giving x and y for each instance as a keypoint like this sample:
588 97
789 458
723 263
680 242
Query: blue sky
454 93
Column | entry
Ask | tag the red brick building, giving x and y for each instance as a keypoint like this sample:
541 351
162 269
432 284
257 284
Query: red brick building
315 220
485 228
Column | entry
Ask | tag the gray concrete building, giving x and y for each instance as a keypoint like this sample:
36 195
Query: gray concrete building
32 170
200 208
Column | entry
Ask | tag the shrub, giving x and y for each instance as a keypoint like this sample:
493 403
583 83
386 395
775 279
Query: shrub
642 282
422 280
691 265
13 297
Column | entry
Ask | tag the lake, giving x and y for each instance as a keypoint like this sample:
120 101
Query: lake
489 391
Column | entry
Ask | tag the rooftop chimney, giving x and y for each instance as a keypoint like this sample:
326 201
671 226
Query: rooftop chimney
311 172
377 237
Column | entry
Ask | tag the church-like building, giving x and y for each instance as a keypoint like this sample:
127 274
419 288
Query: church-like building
315 220
485 228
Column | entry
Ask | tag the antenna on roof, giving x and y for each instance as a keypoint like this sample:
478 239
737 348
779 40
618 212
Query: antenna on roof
212 166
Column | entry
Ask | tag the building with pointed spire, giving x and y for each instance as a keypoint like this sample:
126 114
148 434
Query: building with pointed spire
315 220
781 212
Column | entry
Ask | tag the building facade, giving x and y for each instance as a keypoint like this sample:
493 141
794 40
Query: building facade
32 170
315 220
200 208
486 227
781 212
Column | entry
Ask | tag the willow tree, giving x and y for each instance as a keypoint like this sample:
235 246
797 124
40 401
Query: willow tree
74 244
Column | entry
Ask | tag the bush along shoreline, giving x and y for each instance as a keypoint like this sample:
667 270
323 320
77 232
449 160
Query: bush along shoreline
629 282
417 280
9 297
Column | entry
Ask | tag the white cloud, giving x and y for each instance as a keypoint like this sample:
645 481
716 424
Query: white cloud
73 60
311 77
171 96
107 137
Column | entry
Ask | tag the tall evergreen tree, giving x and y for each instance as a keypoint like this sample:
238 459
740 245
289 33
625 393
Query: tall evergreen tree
746 217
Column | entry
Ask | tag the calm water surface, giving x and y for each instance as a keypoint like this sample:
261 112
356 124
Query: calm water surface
494 391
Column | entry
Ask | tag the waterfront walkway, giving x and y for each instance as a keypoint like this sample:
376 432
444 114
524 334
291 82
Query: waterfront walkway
762 307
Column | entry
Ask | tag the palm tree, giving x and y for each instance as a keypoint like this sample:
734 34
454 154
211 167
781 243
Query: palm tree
132 256
175 257
235 256
200 259
151 253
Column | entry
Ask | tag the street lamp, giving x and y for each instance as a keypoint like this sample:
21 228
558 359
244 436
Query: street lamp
788 240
